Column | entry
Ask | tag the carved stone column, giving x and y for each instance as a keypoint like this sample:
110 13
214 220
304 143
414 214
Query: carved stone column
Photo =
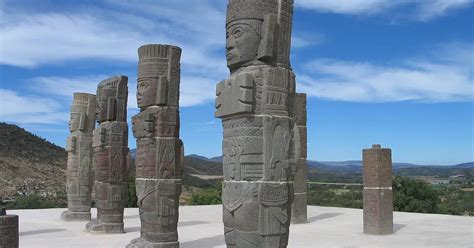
160 152
111 159
299 210
8 230
256 107
79 178
378 197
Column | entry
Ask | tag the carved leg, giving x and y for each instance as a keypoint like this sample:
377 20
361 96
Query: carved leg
110 207
229 228
275 213
158 202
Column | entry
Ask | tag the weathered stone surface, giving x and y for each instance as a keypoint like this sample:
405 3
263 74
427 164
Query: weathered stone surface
79 175
300 109
378 196
300 182
111 159
269 19
378 211
160 153
377 167
112 100
257 214
9 237
158 75
299 209
261 140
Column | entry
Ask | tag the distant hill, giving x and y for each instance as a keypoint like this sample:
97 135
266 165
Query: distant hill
199 171
219 159
198 157
29 163
465 165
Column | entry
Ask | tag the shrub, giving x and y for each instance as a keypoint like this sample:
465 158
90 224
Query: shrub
209 196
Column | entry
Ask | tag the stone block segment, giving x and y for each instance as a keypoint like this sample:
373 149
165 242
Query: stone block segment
111 156
261 145
299 211
9 237
79 174
160 153
378 196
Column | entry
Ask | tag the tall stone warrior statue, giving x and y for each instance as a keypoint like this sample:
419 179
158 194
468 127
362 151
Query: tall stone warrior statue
256 107
160 153
111 160
79 178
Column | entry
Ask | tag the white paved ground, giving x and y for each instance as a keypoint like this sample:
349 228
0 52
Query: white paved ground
201 227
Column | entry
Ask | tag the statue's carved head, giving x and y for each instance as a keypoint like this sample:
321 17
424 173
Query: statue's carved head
112 99
258 31
82 116
243 39
158 75
146 91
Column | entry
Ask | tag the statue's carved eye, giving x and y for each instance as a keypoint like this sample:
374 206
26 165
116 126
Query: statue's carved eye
238 32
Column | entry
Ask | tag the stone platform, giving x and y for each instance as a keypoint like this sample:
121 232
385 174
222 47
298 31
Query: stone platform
201 227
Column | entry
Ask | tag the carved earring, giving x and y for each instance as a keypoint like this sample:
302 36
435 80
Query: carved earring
162 91
268 45
111 106
82 121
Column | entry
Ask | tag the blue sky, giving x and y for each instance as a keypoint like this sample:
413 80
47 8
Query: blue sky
399 73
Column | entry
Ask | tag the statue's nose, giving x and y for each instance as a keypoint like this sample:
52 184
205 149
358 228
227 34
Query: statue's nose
230 44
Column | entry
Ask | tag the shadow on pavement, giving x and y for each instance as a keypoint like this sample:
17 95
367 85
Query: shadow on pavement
180 224
397 227
323 216
131 216
41 231
205 242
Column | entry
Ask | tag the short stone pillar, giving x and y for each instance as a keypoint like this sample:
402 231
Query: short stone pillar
378 197
8 230
299 209
111 159
79 174
160 152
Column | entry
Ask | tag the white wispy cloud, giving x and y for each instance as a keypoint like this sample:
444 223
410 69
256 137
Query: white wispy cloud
421 9
193 90
434 8
31 39
64 87
443 77
197 90
29 109
301 40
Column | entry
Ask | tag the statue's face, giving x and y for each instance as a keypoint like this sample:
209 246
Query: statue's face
102 104
242 44
74 121
146 92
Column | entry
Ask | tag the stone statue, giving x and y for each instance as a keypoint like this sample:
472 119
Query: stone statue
79 178
256 107
111 160
299 209
9 236
160 154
